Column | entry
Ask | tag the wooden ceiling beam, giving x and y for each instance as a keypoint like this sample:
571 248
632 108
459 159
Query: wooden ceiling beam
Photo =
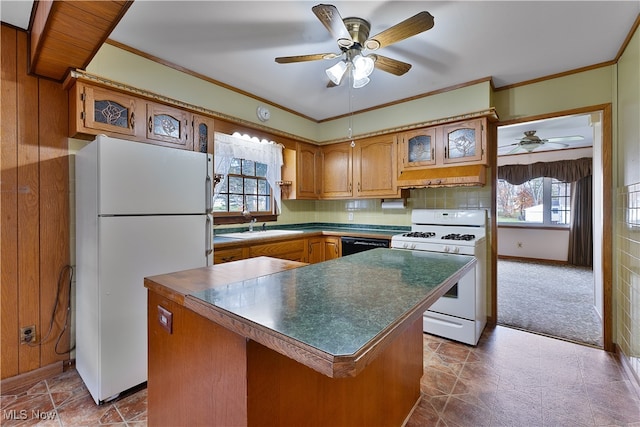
67 34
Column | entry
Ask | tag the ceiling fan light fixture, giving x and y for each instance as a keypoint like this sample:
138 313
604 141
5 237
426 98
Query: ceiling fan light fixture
363 66
337 72
359 82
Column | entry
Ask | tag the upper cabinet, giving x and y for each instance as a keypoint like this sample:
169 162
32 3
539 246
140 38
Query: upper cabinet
451 144
464 142
337 175
95 110
366 168
446 155
203 133
417 148
301 172
169 126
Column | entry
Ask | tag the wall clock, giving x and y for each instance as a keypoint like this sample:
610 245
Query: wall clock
263 113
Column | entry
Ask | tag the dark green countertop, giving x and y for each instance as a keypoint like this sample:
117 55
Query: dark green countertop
340 306
357 230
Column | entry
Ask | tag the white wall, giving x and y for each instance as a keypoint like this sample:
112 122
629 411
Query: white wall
543 244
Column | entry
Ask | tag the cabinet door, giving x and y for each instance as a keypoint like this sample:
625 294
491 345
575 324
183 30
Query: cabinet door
227 255
168 126
202 133
464 142
316 250
375 167
336 170
108 111
308 171
294 250
332 247
417 149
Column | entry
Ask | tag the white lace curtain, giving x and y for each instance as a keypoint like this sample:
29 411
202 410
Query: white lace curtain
228 147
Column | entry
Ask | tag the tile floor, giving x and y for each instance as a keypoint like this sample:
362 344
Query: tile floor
512 378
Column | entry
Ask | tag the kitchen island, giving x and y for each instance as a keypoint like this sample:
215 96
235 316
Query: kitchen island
334 343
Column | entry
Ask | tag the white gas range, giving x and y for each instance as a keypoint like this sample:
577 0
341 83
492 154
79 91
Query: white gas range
461 313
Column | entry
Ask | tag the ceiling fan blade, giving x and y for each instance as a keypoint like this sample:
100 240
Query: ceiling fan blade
560 144
514 150
303 58
390 65
417 24
566 138
330 17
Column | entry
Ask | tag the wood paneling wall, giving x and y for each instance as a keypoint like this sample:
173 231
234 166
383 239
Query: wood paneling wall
34 211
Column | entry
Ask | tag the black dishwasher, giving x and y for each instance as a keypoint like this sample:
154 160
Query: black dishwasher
352 245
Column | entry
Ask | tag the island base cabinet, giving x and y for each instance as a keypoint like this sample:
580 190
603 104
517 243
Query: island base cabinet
201 374
283 392
196 370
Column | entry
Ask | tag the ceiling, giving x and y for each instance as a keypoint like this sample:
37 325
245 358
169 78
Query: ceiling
235 43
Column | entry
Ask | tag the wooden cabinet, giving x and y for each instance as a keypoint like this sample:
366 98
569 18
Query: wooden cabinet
447 145
95 110
417 148
168 126
332 247
366 169
316 250
221 256
457 155
203 133
464 142
375 167
337 174
323 248
294 250
301 172
308 167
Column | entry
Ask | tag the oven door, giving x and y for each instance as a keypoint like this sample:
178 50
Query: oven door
460 300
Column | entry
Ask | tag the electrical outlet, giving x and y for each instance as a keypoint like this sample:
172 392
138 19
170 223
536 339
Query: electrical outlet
350 216
28 334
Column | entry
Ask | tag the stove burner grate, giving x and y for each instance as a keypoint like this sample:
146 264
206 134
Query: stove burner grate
422 234
454 236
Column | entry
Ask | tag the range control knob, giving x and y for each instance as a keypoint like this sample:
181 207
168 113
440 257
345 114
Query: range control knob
446 249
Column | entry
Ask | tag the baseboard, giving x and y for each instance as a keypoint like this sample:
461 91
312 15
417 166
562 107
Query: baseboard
22 382
546 261
631 374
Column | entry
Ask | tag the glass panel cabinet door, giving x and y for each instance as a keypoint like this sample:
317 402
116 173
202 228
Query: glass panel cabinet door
202 134
109 111
169 125
464 142
418 148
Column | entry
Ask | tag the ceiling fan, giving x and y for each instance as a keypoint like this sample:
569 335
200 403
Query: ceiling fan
352 36
531 142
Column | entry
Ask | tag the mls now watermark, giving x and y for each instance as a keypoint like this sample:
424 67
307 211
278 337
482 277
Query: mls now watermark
23 414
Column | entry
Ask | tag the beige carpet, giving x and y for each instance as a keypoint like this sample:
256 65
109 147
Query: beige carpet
549 299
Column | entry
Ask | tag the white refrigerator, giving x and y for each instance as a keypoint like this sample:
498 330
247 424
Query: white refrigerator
141 210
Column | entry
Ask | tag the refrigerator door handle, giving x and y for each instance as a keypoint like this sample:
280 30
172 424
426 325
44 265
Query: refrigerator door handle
208 245
209 195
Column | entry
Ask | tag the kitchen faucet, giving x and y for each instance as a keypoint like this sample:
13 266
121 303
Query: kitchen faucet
253 221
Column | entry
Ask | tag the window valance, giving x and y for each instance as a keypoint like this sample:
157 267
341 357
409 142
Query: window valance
228 147
562 170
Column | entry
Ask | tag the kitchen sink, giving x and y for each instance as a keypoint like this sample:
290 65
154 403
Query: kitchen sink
258 234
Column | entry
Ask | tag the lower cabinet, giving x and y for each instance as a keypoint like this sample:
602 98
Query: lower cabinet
293 250
311 250
227 255
324 248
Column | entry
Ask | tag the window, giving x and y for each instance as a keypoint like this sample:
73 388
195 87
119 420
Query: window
245 186
540 201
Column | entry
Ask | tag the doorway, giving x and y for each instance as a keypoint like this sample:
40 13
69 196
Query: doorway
534 228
